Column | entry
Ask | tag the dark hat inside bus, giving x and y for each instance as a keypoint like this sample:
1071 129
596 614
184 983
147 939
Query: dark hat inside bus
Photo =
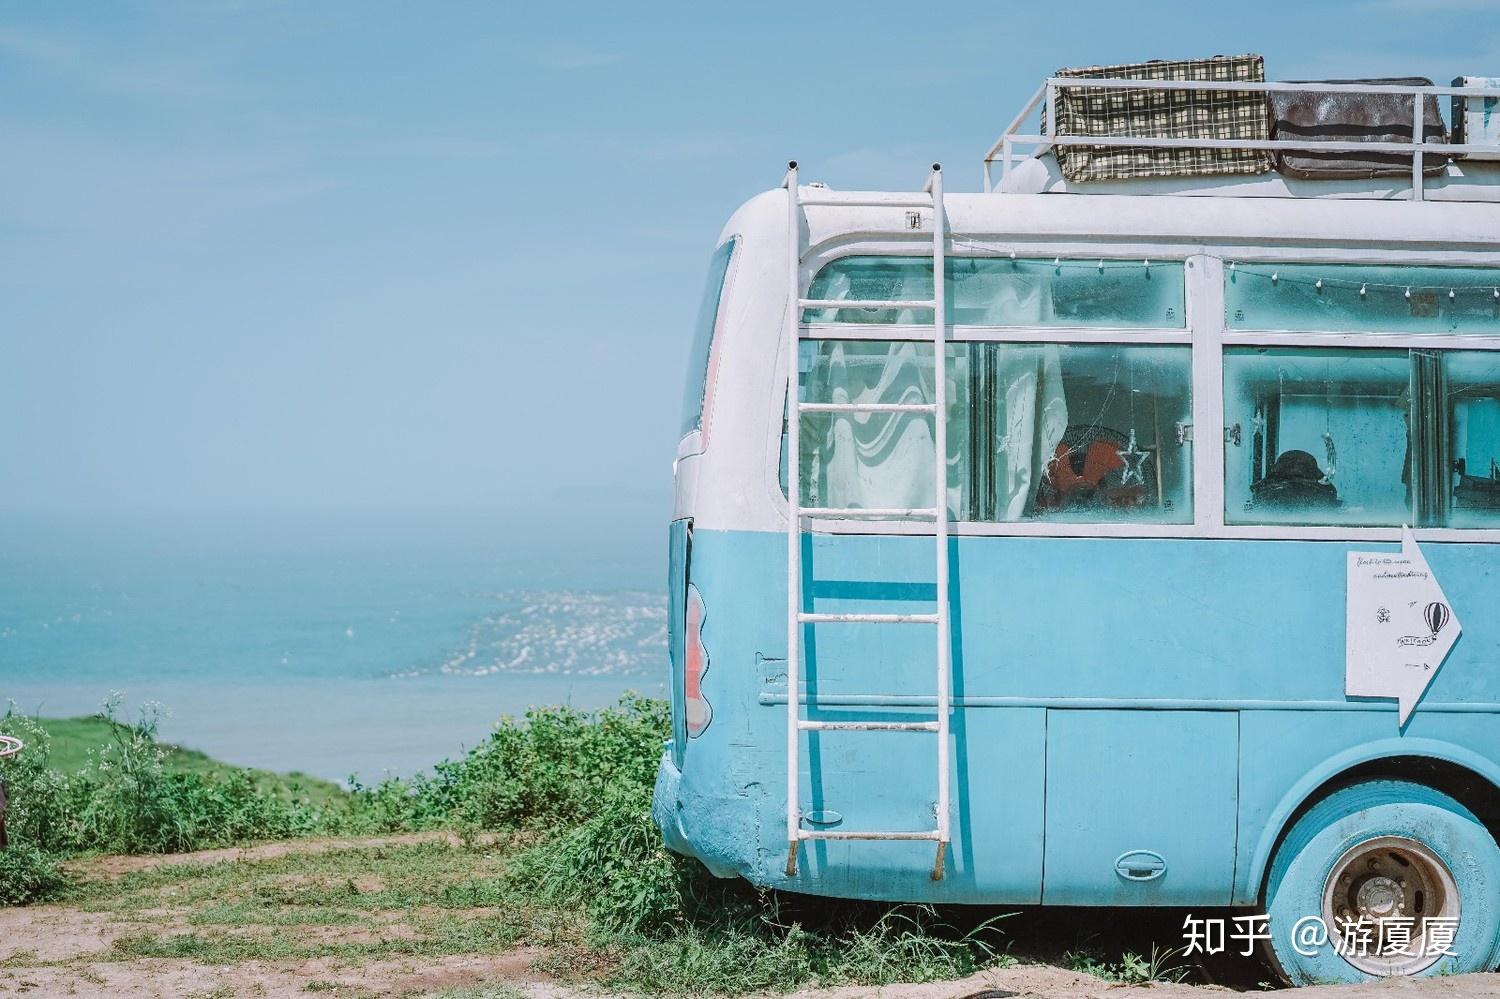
1295 465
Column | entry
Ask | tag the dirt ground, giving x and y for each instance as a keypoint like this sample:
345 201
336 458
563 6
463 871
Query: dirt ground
66 950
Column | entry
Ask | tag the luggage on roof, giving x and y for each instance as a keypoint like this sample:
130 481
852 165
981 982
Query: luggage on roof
1340 117
1176 114
1476 120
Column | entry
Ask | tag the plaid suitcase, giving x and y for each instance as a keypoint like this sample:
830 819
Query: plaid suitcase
1165 114
1310 115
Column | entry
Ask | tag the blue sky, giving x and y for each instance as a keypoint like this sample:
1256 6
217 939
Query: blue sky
441 259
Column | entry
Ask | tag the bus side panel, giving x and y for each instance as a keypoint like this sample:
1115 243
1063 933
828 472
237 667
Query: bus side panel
1289 754
1169 627
732 793
1140 807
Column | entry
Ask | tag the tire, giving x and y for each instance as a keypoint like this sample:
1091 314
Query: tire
1378 847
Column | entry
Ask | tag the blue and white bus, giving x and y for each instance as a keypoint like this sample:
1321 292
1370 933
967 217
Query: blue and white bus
1123 494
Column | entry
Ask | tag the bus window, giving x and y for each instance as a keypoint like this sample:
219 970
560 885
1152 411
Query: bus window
1349 298
1473 420
703 337
879 459
1317 436
1075 433
998 291
1118 455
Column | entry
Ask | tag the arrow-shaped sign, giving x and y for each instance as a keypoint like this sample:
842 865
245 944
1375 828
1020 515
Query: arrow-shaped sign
1400 625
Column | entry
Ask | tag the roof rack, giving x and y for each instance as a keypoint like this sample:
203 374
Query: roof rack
1004 149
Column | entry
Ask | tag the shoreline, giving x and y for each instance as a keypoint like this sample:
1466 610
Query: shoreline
333 728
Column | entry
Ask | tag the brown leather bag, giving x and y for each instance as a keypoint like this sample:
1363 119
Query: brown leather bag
1339 117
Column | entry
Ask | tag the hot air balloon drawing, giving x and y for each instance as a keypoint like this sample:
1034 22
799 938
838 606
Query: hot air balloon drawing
1436 616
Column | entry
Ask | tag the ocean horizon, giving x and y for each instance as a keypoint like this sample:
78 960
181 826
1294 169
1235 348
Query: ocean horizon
333 647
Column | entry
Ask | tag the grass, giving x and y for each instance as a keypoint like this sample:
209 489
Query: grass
434 899
76 742
571 863
1131 968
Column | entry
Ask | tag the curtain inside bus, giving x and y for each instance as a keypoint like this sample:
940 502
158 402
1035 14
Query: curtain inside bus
1083 433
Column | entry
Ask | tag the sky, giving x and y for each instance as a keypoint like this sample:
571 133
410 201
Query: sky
441 260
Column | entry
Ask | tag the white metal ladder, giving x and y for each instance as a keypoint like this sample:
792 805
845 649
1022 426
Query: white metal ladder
797 617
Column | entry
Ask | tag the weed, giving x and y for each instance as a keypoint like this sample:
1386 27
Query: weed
1132 968
484 992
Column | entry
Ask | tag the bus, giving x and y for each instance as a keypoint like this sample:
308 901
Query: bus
1146 557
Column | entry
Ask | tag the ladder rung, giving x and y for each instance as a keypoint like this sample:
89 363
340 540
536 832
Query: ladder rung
868 618
864 303
866 407
866 726
841 834
879 513
915 201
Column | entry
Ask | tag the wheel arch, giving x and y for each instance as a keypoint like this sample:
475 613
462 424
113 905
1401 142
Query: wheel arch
1468 777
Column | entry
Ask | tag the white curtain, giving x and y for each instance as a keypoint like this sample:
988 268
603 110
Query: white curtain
875 459
1031 423
885 459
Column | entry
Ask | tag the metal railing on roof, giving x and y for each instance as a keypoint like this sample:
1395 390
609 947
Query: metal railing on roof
1004 147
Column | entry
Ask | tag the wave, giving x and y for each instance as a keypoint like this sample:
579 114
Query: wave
621 633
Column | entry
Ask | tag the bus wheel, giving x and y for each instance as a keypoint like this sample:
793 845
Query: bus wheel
1384 878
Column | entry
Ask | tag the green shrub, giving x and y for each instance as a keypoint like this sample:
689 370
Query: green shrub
126 800
552 771
28 875
614 865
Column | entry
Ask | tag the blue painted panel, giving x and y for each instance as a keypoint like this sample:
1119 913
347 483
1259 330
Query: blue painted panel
1044 623
888 781
1128 782
1286 755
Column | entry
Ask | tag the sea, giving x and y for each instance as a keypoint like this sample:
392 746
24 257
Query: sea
337 646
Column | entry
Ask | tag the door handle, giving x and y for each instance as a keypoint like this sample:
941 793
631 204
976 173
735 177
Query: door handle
1140 865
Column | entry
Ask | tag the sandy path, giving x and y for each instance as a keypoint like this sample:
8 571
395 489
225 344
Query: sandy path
175 979
114 867
59 950
1047 982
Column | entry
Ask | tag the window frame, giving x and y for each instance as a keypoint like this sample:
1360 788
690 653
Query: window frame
1205 330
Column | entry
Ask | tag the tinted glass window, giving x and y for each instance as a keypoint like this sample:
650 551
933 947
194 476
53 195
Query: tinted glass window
998 291
1344 298
1078 433
1472 418
1317 436
703 336
880 459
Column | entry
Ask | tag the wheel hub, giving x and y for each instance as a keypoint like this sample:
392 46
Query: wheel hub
1378 900
1379 897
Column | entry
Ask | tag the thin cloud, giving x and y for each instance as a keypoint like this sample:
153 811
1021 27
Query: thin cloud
1428 6
567 57
165 79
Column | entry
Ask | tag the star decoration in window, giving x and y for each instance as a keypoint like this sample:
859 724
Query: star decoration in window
1135 463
